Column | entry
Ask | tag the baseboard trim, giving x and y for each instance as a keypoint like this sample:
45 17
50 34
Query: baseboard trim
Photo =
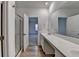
50 55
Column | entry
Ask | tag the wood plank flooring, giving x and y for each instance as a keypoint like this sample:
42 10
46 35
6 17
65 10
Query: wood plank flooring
32 51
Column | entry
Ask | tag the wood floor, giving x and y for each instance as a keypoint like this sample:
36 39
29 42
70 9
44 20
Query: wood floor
32 51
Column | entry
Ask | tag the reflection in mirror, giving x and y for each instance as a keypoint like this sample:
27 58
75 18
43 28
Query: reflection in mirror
73 26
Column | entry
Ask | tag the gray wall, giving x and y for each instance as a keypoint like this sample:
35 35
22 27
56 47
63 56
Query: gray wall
11 29
73 26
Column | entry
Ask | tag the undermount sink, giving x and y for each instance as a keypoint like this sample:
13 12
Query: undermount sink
74 53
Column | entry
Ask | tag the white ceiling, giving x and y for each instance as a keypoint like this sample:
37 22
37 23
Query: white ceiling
71 4
68 8
25 4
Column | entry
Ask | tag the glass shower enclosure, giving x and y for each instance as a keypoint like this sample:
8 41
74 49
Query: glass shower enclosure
18 33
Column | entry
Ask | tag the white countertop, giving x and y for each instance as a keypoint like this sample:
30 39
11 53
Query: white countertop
71 39
66 47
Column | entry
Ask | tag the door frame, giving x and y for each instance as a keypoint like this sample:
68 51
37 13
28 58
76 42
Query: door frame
38 28
5 28
2 36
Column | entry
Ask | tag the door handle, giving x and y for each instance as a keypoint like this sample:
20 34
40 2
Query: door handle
24 34
1 37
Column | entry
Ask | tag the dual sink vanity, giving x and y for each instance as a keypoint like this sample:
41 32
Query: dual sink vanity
59 45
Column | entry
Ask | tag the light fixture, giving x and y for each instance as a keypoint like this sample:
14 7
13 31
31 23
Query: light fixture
46 3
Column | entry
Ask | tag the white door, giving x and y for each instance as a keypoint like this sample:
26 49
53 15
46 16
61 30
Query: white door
26 40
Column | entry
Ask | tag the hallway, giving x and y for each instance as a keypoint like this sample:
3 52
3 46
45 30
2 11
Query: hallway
32 51
39 29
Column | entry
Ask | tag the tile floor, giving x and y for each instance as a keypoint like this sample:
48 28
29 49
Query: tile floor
32 51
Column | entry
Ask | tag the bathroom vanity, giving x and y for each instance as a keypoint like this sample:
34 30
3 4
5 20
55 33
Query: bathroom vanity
59 45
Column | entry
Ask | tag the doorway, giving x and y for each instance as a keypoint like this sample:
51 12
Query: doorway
62 25
33 31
